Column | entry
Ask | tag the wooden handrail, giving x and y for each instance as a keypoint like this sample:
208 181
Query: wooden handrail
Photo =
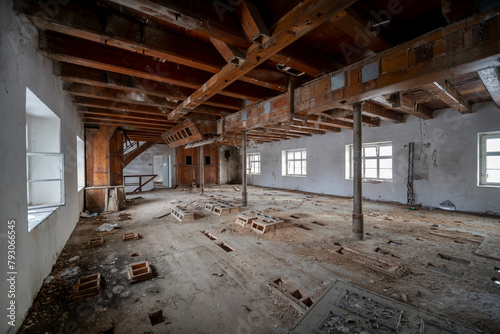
139 188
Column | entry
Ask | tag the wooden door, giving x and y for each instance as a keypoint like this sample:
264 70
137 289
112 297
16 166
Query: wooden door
188 166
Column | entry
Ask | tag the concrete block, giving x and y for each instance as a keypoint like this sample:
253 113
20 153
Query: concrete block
130 236
263 225
225 210
96 242
87 286
181 214
245 219
139 272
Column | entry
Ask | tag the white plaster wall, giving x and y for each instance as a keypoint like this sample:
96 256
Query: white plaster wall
22 66
451 135
143 164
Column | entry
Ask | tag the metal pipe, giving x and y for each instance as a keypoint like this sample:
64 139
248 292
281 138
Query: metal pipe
202 171
357 215
244 195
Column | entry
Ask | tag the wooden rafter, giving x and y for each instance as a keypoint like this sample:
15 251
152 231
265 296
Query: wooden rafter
404 104
105 79
384 113
133 107
134 99
67 49
223 25
295 24
350 23
94 25
491 80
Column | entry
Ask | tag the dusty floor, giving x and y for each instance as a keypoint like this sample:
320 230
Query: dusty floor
201 288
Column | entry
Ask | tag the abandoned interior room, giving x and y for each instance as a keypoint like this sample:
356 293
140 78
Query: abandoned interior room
250 166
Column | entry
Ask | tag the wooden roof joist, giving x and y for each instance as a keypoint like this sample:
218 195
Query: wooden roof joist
302 19
105 79
121 120
95 95
228 30
140 109
116 123
491 80
94 23
455 50
78 51
125 115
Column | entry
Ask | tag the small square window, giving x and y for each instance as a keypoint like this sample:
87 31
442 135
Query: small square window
295 162
376 161
253 163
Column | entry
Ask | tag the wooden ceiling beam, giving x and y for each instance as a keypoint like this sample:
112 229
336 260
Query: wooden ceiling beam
116 95
491 80
366 37
321 120
106 79
302 19
133 116
454 10
404 104
123 123
96 24
385 114
225 27
72 50
124 106
445 92
304 58
252 23
367 120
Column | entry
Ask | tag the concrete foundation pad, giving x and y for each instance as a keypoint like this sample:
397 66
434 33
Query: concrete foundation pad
346 308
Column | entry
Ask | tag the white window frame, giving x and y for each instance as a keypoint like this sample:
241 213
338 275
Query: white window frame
60 178
80 163
302 160
349 168
253 163
482 176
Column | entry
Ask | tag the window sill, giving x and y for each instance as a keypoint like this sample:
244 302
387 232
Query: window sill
493 185
295 175
373 181
37 216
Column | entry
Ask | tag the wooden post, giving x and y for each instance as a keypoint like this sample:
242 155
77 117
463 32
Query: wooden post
244 195
357 215
202 171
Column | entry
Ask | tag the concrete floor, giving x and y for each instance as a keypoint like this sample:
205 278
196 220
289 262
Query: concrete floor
204 289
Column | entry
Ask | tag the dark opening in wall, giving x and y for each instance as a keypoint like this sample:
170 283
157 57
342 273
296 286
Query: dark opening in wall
207 160
189 160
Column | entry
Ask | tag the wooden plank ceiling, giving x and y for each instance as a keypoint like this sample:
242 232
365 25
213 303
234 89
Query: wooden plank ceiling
148 65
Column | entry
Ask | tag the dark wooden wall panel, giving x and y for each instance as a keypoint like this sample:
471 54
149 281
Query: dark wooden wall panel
187 173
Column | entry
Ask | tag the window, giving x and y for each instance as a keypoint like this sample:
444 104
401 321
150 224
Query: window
189 160
376 161
295 162
489 159
44 160
253 163
80 162
207 160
